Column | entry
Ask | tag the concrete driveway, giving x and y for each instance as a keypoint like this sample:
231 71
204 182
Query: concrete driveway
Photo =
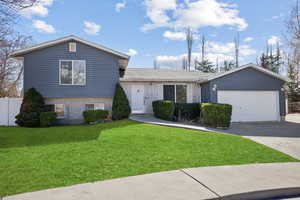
283 136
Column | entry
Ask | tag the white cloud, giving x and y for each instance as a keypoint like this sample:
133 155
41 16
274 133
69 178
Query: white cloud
40 8
273 40
174 35
194 14
215 51
43 27
156 11
132 52
120 5
248 39
91 28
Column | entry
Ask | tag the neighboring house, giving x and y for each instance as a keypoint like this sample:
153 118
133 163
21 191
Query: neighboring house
75 75
256 94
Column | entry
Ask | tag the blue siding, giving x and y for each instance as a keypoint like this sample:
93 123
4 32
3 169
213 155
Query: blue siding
41 71
247 79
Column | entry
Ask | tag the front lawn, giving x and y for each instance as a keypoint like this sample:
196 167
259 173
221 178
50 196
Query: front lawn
39 158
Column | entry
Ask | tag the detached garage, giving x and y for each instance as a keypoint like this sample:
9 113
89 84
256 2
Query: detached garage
256 94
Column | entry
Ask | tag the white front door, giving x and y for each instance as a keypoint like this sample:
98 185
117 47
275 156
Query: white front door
250 106
137 98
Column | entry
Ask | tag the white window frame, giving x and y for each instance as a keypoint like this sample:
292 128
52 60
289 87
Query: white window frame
60 61
96 106
72 44
175 90
60 117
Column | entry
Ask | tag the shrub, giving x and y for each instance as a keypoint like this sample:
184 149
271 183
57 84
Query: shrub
163 109
28 119
94 115
187 111
47 119
31 107
216 115
120 108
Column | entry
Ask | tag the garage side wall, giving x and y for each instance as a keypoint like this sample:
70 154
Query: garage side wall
247 79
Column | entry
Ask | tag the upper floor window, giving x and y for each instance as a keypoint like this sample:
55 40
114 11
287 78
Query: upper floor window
72 47
72 72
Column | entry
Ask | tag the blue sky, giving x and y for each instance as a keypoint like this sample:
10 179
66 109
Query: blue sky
153 29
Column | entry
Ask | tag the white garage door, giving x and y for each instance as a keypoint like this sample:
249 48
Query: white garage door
252 105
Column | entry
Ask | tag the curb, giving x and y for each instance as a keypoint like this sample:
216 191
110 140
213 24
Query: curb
264 194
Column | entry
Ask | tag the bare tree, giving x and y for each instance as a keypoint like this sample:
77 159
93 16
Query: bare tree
11 70
237 49
190 41
8 13
203 46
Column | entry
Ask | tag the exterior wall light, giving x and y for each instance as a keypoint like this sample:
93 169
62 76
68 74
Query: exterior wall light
214 87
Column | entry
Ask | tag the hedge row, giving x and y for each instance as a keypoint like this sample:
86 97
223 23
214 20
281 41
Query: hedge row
169 110
163 109
216 115
91 116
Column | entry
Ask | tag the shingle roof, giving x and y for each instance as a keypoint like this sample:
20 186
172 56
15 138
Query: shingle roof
166 75
21 52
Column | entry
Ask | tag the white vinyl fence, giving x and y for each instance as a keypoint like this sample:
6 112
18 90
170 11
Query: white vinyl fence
9 108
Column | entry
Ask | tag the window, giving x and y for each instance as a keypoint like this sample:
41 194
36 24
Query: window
94 106
181 94
72 47
60 110
177 93
72 72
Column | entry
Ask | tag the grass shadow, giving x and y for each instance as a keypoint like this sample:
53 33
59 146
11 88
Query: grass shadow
21 137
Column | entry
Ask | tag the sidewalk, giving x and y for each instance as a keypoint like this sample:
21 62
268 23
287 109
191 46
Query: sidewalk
227 182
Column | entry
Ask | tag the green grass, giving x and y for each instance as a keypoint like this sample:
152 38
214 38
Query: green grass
39 158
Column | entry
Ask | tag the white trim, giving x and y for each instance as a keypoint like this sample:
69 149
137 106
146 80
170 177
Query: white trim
59 68
66 39
248 66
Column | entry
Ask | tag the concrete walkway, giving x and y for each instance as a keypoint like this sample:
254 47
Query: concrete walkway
254 181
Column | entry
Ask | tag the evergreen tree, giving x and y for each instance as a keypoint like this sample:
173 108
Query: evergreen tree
228 65
120 108
31 107
205 66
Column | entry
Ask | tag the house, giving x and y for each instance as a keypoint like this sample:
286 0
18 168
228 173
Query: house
256 94
74 75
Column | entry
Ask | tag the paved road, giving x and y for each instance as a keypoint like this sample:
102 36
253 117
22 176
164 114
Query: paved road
226 182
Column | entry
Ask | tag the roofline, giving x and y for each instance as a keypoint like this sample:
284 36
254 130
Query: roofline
256 67
21 52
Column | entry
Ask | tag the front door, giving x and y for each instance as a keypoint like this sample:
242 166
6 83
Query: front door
137 99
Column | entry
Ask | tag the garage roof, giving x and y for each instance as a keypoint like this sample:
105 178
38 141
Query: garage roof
253 66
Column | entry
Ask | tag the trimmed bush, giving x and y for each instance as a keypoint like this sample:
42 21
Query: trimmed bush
91 116
32 105
187 111
47 119
216 115
163 109
120 108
